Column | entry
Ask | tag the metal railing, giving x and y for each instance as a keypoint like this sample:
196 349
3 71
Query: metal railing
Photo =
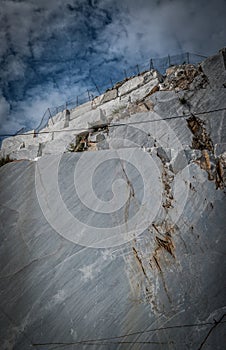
160 64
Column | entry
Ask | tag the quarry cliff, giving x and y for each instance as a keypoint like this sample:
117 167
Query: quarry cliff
113 219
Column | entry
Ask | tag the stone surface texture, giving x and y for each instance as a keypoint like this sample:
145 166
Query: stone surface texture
120 245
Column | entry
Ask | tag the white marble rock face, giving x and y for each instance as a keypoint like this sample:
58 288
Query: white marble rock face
56 291
122 247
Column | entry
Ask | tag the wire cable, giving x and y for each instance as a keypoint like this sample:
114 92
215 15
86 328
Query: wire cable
98 341
119 124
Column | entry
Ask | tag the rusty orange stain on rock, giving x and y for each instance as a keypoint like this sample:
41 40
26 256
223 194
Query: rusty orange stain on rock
139 262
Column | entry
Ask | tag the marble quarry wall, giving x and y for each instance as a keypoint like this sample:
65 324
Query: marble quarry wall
113 220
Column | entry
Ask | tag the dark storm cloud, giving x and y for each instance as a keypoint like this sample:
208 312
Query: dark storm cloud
53 50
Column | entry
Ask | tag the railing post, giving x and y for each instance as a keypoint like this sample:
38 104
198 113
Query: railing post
125 73
88 94
111 83
77 101
169 60
138 71
151 64
188 57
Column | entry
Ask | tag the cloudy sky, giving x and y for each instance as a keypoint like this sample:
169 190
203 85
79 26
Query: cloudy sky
53 50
